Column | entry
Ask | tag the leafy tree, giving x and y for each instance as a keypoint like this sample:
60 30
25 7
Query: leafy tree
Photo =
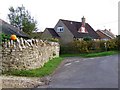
21 18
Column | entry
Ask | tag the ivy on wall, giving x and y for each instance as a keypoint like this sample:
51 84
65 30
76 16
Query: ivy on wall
4 38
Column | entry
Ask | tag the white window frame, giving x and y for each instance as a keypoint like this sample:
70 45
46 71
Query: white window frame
60 29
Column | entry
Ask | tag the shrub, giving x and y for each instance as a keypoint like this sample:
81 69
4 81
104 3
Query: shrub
4 38
112 44
76 47
87 38
90 46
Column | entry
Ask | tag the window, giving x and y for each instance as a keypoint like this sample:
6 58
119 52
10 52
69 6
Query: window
82 30
60 29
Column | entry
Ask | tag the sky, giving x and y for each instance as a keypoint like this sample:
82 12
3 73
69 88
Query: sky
100 14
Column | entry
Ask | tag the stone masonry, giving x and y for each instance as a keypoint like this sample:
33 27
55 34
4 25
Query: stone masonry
27 54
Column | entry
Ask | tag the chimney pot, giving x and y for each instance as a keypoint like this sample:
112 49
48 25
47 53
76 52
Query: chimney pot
83 21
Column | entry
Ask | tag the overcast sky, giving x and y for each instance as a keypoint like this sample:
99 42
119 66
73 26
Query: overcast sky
100 14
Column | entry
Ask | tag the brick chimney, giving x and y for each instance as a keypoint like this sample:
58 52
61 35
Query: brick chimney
83 29
83 21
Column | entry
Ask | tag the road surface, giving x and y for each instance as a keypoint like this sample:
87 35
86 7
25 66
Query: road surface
76 72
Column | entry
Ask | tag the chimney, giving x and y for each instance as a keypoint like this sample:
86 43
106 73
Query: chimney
109 30
83 21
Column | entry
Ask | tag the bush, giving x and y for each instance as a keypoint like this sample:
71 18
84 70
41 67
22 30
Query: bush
76 47
113 44
87 39
4 38
68 49
89 46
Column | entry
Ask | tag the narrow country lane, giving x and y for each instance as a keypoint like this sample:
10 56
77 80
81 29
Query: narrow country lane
98 72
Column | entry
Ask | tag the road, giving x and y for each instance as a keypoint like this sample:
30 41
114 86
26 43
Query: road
76 72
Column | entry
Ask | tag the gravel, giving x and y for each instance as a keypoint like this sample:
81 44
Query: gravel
20 82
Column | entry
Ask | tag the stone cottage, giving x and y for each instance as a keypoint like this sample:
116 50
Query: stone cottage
68 30
50 33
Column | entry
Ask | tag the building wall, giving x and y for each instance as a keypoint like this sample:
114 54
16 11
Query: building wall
66 36
27 54
46 35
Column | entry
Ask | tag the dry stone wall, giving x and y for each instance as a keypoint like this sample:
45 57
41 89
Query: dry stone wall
27 54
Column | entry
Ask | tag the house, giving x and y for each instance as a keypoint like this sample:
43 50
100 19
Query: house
105 34
36 35
69 30
9 30
50 33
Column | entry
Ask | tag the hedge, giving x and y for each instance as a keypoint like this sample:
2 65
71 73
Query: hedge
90 46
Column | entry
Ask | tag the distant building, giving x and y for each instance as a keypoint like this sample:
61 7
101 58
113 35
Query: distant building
105 34
9 30
50 33
36 35
67 31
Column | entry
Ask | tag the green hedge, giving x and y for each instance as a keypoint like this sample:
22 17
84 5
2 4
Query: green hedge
90 46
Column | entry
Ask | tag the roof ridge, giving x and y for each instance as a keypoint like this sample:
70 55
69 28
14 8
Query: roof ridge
69 20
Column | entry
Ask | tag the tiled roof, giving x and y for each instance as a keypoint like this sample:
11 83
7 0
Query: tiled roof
107 33
9 30
53 32
74 26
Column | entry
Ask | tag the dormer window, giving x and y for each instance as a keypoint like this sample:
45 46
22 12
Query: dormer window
82 30
60 29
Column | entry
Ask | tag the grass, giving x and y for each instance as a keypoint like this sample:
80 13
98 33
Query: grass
47 69
107 53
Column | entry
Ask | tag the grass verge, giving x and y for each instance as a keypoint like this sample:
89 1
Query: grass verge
86 55
47 69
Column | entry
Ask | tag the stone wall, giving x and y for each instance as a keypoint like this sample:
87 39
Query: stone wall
27 54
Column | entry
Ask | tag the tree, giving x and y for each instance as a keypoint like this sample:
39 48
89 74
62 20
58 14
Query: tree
21 18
